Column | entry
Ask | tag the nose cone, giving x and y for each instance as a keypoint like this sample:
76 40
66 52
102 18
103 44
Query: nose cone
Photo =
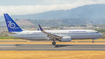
100 34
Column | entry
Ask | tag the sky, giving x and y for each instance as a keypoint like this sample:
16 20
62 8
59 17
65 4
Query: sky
23 7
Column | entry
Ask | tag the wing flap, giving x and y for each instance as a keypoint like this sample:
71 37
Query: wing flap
49 34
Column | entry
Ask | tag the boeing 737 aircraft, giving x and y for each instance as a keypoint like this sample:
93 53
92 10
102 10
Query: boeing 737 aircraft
60 35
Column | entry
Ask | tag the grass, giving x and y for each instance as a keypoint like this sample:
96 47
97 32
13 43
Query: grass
13 39
37 42
52 54
9 37
49 42
72 40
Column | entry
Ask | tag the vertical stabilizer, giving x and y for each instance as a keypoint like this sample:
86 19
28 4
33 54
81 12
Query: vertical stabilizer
11 24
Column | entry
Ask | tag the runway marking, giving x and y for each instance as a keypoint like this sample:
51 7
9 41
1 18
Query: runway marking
7 46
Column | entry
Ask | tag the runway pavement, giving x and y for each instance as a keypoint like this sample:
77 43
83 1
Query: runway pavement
49 47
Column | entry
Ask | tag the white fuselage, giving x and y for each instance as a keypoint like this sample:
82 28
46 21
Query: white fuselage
74 34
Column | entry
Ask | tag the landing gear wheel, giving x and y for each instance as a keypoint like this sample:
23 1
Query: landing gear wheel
53 43
93 41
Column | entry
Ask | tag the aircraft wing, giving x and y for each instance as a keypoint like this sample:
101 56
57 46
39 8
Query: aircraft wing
51 36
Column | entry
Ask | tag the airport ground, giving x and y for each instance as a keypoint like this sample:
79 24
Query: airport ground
83 54
22 41
52 54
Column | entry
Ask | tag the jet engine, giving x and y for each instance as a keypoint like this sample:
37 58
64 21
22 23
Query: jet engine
66 39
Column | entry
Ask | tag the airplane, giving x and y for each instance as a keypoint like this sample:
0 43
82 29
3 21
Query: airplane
54 35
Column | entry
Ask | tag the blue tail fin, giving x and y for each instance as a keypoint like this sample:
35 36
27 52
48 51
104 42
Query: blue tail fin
11 25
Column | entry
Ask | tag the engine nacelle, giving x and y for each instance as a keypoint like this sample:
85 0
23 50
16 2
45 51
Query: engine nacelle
66 39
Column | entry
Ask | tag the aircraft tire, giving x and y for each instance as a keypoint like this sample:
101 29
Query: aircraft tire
53 43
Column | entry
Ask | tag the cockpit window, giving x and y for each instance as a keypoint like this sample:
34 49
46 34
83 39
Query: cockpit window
97 32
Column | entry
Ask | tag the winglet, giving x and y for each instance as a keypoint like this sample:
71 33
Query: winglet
41 28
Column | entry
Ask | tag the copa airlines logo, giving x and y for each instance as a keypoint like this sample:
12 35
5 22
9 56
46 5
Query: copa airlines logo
11 25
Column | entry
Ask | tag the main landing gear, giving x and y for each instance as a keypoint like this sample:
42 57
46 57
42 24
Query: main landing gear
54 43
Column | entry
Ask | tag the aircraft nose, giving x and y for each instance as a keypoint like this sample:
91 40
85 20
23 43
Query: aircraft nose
101 34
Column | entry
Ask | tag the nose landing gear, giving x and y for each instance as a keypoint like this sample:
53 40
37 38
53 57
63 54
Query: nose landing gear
93 40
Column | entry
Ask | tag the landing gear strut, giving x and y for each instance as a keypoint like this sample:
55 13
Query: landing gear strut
54 43
93 41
